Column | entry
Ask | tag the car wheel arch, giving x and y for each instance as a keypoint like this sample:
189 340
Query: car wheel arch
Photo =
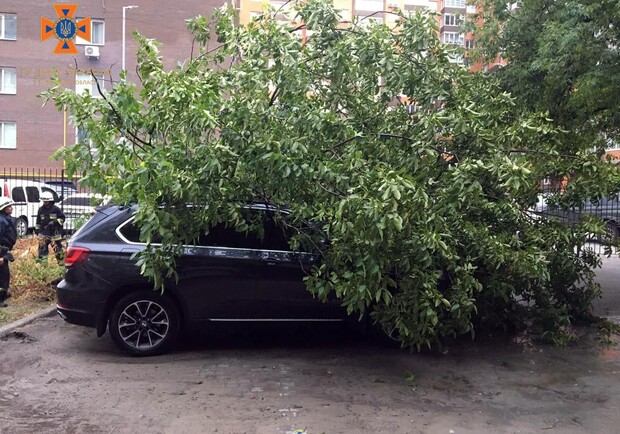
120 292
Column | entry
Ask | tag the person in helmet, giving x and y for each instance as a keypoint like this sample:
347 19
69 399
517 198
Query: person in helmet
8 237
49 227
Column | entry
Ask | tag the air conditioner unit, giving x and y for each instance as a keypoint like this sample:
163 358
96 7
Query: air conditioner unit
91 51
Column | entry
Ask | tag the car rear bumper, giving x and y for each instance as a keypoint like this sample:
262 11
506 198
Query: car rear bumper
77 306
76 317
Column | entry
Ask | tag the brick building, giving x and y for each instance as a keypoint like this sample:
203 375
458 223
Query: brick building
29 133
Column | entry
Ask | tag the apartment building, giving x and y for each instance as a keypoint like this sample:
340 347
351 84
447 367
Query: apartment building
370 10
30 133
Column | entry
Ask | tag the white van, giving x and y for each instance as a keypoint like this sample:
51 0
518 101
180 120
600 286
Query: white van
26 195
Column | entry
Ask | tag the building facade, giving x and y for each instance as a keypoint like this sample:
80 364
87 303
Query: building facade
30 133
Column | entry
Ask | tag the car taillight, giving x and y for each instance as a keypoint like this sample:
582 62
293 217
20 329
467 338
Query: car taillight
76 256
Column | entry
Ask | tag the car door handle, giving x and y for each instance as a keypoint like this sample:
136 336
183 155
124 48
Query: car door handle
271 263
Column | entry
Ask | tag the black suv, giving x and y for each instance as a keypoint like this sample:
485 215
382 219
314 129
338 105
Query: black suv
226 276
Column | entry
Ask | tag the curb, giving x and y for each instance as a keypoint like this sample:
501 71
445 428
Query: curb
7 329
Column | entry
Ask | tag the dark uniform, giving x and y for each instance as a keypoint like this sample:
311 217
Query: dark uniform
8 237
49 228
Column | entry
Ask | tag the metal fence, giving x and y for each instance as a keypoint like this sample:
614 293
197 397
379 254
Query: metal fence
25 187
606 209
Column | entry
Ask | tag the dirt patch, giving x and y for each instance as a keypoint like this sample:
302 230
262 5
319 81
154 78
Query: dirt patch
19 309
31 282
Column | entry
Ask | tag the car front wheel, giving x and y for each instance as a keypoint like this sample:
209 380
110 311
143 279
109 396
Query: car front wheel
144 323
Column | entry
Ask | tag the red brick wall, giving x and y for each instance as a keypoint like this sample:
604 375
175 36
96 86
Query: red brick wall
40 130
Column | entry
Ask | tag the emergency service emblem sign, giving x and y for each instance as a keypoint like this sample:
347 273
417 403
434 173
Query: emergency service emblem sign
65 29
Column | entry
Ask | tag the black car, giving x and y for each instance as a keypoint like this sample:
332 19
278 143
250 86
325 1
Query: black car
226 276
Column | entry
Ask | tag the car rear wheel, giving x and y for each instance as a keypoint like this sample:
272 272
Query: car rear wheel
144 323
22 227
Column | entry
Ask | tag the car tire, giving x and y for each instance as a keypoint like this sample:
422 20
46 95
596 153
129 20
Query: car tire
22 227
144 323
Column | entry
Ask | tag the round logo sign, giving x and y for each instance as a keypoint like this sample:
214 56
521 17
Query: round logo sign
65 28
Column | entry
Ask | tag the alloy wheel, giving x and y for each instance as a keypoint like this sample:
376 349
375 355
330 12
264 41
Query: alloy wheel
143 324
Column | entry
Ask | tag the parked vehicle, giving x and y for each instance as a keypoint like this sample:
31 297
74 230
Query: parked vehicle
79 207
26 194
607 209
225 276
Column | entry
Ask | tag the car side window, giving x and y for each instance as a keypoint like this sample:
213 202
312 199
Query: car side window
18 195
32 193
279 235
276 236
222 236
132 233
83 202
262 232
270 234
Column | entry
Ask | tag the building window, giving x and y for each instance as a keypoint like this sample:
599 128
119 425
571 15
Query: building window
369 5
345 15
455 3
453 38
97 33
8 26
368 21
8 80
86 82
457 58
8 135
280 5
452 20
612 145
81 135
469 44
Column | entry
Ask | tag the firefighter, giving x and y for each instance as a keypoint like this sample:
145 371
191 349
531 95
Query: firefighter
8 237
49 227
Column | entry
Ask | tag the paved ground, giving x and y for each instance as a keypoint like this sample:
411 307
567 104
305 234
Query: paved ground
58 378
609 278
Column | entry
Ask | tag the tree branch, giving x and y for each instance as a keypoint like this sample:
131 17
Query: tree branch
438 150
134 138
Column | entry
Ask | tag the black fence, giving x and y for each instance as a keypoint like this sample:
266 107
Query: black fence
555 203
26 187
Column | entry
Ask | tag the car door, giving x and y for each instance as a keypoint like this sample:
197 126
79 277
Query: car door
280 288
217 275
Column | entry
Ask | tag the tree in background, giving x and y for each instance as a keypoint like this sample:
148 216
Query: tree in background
424 207
563 58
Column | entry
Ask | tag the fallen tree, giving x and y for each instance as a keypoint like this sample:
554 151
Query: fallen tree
424 205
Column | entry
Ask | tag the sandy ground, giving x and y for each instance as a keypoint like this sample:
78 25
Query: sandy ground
59 378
